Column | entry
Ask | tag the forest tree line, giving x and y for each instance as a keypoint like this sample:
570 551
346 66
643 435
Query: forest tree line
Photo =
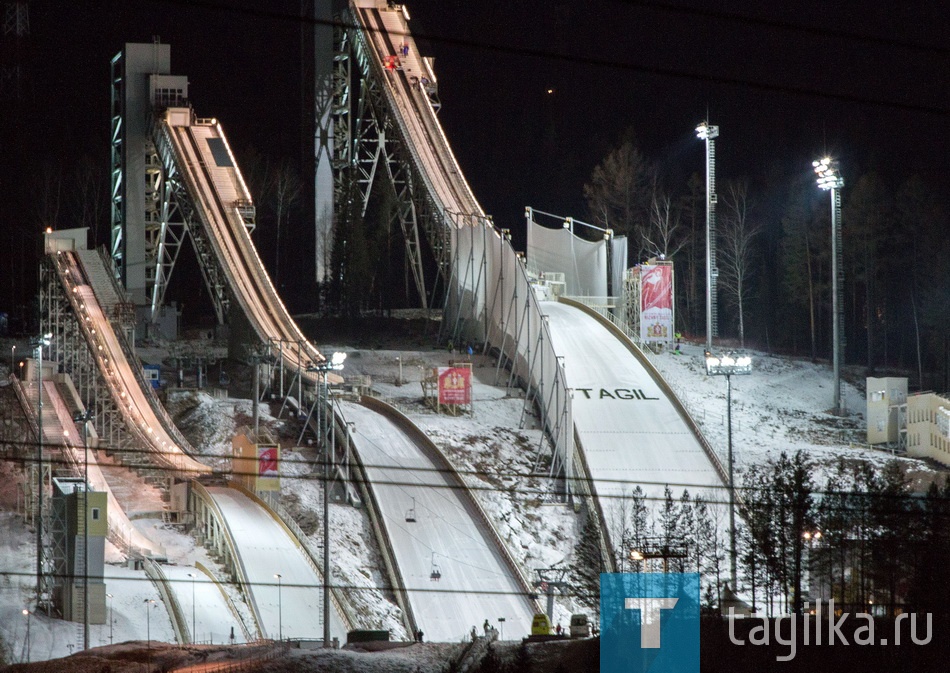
774 259
857 535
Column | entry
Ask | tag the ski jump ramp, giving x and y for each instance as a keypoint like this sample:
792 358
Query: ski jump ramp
454 570
630 430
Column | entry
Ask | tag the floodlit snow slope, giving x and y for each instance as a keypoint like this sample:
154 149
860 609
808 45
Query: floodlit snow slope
292 608
631 434
208 617
475 583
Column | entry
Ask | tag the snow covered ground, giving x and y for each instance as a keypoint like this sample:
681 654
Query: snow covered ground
782 406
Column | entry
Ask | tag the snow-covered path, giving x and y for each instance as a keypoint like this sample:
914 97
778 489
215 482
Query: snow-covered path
207 615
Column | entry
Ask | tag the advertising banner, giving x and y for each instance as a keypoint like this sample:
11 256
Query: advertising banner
455 385
268 468
656 302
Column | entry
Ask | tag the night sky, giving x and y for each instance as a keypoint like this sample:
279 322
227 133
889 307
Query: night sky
786 82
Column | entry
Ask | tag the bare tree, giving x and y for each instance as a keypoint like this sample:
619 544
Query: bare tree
286 191
736 247
661 239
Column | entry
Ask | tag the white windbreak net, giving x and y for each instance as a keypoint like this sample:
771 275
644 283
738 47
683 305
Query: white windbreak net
490 298
618 264
560 250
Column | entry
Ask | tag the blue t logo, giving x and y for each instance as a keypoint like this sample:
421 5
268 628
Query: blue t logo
649 623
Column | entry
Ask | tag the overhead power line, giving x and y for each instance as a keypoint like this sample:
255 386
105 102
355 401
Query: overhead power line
578 59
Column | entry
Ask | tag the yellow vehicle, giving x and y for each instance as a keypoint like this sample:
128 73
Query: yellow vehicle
540 625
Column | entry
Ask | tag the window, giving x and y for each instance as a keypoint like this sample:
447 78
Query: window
95 513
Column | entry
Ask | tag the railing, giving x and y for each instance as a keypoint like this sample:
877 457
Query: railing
200 492
271 651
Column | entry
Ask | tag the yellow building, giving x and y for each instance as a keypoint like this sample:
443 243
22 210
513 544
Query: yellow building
928 427
79 529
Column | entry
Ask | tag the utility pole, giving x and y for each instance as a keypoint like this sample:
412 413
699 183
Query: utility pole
548 580
38 345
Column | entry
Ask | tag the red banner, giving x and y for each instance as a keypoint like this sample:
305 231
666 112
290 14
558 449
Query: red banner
267 462
455 385
656 302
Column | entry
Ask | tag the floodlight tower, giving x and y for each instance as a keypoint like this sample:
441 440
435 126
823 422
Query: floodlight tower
728 365
830 179
709 133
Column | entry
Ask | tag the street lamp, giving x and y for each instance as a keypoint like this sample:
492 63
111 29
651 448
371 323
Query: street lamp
38 345
728 365
335 363
280 609
84 418
811 538
12 358
194 636
709 133
148 628
111 620
830 179
29 645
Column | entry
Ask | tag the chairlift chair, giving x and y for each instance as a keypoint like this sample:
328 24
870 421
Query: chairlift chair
411 513
436 573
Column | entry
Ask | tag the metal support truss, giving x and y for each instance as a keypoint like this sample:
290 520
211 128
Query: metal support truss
117 246
70 351
165 231
177 220
369 146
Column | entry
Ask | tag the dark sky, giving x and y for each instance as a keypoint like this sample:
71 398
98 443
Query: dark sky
784 81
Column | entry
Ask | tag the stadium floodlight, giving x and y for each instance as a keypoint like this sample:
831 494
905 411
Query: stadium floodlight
729 365
705 131
830 179
708 133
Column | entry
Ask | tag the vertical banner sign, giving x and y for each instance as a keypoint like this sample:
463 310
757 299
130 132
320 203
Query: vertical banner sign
268 470
656 302
649 622
455 385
